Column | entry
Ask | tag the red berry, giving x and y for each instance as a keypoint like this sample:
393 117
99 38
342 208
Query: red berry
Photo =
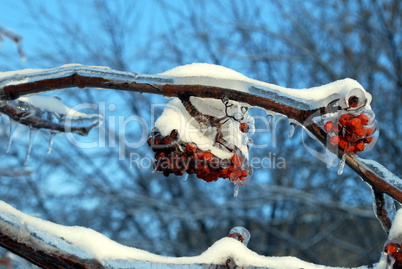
236 162
158 140
359 147
368 140
160 154
344 119
349 148
353 101
207 156
167 140
174 134
191 149
334 140
351 137
369 132
244 128
355 123
199 155
342 143
329 127
360 132
364 119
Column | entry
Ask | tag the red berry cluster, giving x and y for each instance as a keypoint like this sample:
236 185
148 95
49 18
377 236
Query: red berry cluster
173 156
351 133
394 250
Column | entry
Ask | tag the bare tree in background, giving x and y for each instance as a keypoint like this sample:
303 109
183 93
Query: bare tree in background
296 45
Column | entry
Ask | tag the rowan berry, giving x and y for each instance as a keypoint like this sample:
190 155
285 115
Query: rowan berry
355 123
329 126
244 128
334 140
364 119
344 119
369 132
353 101
342 143
361 131
359 147
191 149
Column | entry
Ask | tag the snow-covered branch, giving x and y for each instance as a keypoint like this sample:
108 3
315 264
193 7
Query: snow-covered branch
78 247
209 81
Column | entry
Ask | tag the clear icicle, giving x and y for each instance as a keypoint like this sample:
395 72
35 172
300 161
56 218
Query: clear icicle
32 135
52 135
291 131
342 164
11 130
236 190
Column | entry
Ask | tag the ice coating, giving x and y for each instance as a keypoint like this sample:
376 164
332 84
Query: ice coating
52 104
382 172
309 98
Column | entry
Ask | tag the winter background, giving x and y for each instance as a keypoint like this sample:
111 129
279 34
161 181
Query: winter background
301 209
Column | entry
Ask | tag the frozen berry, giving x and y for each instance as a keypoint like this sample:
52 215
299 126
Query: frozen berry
359 147
344 119
329 127
368 140
334 140
191 149
369 132
349 148
174 134
361 131
353 101
244 128
342 143
355 123
364 119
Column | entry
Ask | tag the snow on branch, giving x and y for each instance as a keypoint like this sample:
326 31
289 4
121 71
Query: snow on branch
78 247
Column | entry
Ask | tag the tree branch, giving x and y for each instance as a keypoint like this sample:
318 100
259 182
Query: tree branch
55 246
69 76
16 84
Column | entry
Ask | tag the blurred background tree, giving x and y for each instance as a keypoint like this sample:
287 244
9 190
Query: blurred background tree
304 210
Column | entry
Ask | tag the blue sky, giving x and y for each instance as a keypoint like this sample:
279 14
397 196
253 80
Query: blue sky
16 16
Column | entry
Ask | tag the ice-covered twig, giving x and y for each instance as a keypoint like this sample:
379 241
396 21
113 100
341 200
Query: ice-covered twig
381 210
52 121
51 245
16 38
